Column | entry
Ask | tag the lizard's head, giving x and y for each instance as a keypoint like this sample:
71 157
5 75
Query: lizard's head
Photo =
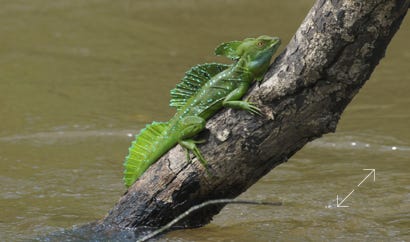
253 53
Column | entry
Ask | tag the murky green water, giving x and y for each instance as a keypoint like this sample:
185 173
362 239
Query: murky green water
77 78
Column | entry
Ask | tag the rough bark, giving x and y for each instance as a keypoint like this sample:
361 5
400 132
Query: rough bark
330 57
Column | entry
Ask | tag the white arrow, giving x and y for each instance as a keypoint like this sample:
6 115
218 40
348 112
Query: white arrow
374 175
339 205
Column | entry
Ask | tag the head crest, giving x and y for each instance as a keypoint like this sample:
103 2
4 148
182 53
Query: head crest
229 49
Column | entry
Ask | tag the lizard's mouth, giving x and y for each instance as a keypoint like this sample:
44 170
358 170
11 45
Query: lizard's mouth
275 42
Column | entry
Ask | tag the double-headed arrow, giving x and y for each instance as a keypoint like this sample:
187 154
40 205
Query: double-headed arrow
339 204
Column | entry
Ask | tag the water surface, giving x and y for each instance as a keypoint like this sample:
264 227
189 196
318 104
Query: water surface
79 78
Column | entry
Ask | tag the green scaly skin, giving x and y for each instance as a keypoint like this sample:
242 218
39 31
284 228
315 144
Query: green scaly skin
224 87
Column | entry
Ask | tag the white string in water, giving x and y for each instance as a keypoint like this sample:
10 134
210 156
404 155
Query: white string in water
199 206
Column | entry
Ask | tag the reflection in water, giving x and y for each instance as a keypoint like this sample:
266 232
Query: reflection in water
79 78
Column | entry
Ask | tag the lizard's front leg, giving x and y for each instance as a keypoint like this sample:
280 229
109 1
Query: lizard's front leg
232 100
191 126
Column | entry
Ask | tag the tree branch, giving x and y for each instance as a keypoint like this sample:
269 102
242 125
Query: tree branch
330 57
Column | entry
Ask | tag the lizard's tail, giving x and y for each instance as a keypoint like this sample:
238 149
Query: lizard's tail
149 145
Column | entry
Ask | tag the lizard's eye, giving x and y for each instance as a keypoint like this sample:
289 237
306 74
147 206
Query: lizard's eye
260 44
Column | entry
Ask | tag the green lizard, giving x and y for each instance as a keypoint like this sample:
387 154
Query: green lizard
203 91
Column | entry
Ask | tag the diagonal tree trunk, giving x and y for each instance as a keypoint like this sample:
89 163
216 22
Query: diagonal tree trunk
330 57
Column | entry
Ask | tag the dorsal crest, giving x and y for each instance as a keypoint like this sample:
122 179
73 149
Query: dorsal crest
193 80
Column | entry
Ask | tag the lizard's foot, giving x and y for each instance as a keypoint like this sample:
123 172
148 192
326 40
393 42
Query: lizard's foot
245 105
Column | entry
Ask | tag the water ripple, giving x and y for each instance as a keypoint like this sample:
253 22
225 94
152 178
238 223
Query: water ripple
64 135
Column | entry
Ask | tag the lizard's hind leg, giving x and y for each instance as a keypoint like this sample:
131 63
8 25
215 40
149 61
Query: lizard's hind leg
191 126
190 145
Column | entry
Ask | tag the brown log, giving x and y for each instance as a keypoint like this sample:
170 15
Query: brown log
328 60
